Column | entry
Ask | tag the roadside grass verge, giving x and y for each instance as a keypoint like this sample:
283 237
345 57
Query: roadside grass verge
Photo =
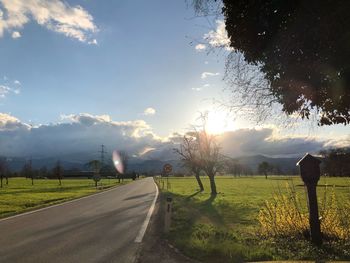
225 228
20 196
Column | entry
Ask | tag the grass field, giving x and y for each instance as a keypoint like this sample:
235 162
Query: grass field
20 196
225 227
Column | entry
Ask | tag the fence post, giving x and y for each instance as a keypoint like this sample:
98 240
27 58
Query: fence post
167 217
310 173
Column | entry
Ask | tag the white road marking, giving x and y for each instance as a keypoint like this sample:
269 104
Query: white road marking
63 203
142 231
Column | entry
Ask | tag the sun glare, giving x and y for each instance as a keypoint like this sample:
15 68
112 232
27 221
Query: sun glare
219 122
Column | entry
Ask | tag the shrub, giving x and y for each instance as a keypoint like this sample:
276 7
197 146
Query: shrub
285 216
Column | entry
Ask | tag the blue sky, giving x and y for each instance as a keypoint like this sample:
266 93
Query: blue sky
143 59
130 60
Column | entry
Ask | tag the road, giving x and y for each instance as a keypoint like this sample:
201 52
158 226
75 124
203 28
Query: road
98 228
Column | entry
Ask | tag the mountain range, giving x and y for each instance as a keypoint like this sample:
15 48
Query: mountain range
152 162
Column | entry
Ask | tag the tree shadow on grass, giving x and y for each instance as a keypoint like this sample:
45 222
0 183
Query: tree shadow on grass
204 228
214 210
192 195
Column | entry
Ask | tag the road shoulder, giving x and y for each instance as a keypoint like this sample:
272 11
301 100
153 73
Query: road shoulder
155 247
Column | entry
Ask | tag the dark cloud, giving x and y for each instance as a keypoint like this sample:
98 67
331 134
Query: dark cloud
82 133
79 133
261 141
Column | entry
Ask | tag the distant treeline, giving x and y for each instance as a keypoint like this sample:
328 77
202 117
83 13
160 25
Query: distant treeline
336 162
58 172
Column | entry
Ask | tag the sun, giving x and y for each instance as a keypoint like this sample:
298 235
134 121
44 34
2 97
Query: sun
219 122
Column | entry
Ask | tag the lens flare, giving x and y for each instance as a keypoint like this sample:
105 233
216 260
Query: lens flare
117 161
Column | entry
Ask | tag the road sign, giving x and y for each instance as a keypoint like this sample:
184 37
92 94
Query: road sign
167 168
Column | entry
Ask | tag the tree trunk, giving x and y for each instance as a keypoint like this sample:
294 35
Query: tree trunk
1 178
265 175
212 184
199 181
32 180
7 180
59 181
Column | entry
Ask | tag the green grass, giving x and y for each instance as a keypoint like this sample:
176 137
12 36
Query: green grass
20 196
225 227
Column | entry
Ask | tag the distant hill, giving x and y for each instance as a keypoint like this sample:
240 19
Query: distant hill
16 163
150 163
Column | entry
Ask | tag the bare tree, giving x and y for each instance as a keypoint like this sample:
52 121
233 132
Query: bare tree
251 96
265 168
95 165
27 170
233 167
58 172
3 170
189 152
209 152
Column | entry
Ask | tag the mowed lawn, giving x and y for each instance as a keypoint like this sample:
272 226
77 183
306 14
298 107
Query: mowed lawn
225 228
20 196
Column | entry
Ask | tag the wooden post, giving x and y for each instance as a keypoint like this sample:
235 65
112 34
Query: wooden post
167 217
310 173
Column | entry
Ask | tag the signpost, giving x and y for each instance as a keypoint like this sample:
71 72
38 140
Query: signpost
168 210
167 169
310 173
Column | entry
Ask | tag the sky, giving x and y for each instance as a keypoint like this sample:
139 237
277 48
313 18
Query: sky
76 74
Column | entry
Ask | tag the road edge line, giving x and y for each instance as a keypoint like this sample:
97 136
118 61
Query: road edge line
63 203
144 226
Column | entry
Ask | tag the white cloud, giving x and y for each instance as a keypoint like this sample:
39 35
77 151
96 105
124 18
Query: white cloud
200 47
9 123
339 141
209 74
4 90
93 42
16 34
218 37
56 15
149 111
201 88
197 89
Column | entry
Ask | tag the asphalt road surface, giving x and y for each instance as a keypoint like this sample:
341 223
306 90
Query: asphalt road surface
98 228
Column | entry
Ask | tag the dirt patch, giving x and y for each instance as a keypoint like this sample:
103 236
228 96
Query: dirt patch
154 247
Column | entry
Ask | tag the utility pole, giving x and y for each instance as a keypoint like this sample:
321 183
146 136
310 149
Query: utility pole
102 154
